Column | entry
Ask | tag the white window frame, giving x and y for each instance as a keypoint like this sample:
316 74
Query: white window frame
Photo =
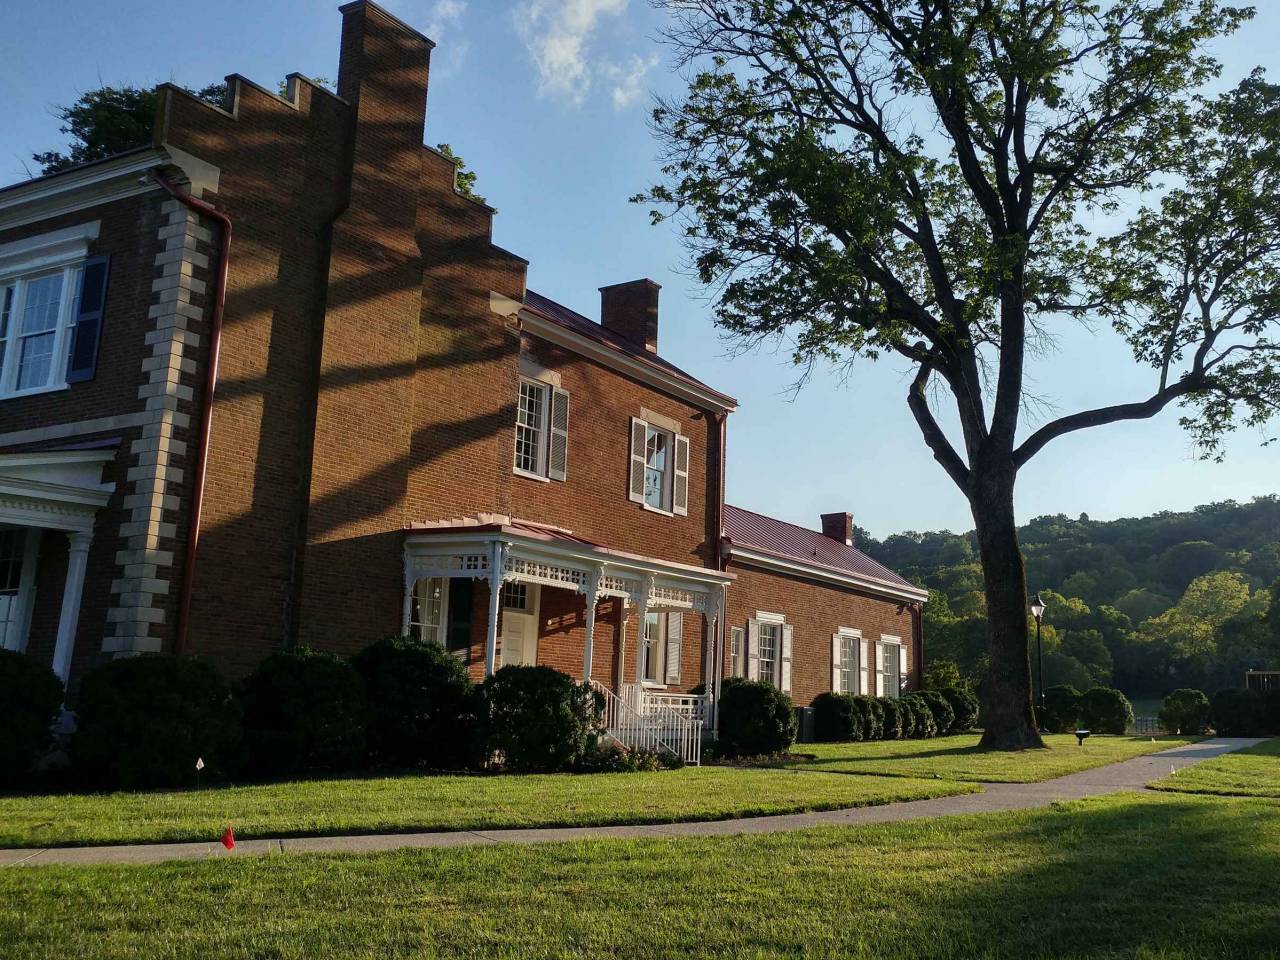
668 471
15 629
888 646
417 627
19 282
778 621
849 671
543 427
737 652
652 644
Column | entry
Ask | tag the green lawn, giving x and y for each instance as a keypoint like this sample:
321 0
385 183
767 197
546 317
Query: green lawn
959 758
1252 772
411 803
1151 876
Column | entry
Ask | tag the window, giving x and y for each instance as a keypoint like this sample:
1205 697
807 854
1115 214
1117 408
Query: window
531 428
429 608
769 636
657 458
655 644
37 320
736 641
849 663
889 655
659 472
515 596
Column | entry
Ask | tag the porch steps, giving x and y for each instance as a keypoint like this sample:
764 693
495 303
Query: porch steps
640 725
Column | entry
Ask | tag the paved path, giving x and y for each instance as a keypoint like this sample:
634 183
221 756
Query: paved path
1128 775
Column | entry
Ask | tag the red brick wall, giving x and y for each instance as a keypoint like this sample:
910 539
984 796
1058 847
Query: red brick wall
816 611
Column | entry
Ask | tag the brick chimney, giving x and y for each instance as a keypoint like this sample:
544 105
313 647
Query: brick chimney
631 311
839 527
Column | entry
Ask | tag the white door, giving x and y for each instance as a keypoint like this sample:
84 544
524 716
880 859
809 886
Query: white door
519 624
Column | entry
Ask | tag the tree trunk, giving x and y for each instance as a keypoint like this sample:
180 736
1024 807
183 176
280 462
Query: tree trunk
1007 717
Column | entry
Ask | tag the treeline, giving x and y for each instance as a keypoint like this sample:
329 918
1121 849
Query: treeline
1147 605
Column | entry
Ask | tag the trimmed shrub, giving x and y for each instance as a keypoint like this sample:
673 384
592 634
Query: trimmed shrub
836 719
539 719
304 711
965 707
755 719
145 721
1238 713
422 705
1104 710
875 712
922 724
1061 708
31 694
1185 711
944 717
892 719
867 719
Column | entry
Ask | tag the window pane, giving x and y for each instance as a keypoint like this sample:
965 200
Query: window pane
768 650
529 413
515 596
40 307
655 473
37 328
652 654
428 607
35 360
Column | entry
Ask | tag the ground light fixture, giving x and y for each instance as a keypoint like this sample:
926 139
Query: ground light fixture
1037 611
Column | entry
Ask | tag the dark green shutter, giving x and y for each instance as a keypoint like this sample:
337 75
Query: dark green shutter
82 359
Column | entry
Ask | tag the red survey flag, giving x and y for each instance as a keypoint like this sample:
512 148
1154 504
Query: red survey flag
228 839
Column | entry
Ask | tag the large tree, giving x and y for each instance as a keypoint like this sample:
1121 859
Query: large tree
954 182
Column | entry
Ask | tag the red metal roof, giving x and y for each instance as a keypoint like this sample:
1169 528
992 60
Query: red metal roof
572 320
755 531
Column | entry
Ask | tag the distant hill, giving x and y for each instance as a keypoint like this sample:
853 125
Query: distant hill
1147 603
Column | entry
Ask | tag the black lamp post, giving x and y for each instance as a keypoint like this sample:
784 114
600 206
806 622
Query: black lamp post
1037 611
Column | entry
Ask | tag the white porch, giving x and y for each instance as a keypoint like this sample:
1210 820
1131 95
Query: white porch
44 494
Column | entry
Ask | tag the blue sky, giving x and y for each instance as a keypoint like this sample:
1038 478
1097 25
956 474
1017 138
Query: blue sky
547 101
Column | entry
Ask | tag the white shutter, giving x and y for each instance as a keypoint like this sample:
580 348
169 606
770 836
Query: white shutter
753 649
558 457
879 669
864 668
784 661
902 663
680 485
837 643
635 487
675 639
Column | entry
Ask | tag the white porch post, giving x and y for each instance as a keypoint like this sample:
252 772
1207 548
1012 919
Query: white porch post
642 609
497 560
410 581
717 644
72 591
592 591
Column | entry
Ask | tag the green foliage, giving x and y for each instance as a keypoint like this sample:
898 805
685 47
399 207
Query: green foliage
463 179
1185 711
942 674
873 717
1238 713
603 756
1104 710
31 694
144 722
836 719
304 712
756 719
1061 708
944 717
891 729
964 706
538 719
422 705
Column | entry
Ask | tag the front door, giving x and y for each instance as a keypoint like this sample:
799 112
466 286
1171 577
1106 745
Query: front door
519 624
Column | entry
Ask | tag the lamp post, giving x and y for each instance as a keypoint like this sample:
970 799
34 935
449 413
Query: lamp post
1037 611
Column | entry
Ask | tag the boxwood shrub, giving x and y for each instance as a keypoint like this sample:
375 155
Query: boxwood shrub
1061 708
873 707
1239 713
304 712
944 717
1185 711
892 719
925 725
836 719
145 721
422 705
965 707
1104 710
538 719
755 719
32 695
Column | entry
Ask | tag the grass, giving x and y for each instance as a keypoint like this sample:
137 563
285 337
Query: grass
1251 772
960 758
1150 876
422 803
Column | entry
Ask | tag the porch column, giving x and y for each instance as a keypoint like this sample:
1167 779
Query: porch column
642 607
410 581
717 643
72 591
497 560
592 591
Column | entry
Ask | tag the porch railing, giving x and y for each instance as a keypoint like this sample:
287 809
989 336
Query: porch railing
691 705
650 728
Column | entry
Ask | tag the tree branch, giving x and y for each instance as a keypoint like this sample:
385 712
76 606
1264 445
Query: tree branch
942 449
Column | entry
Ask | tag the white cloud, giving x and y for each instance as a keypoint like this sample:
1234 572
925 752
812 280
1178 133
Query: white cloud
628 80
443 18
442 15
558 34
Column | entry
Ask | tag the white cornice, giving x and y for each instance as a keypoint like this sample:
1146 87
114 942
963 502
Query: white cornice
646 373
94 184
776 564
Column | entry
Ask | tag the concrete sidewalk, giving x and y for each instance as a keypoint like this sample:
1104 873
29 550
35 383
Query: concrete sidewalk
1128 775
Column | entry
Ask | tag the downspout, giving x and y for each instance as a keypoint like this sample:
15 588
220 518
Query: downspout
206 405
917 637
722 429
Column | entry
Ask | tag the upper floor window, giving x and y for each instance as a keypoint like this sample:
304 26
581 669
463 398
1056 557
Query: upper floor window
542 430
657 468
659 476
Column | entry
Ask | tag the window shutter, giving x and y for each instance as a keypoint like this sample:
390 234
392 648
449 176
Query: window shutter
680 488
82 358
879 668
558 458
753 649
784 661
639 430
902 664
675 639
837 642
864 668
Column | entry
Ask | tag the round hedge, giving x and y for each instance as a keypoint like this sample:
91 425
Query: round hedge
32 695
873 708
944 717
892 712
1104 710
1185 711
756 719
1238 713
539 719
1061 708
304 712
144 722
422 704
836 719
923 725
965 707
